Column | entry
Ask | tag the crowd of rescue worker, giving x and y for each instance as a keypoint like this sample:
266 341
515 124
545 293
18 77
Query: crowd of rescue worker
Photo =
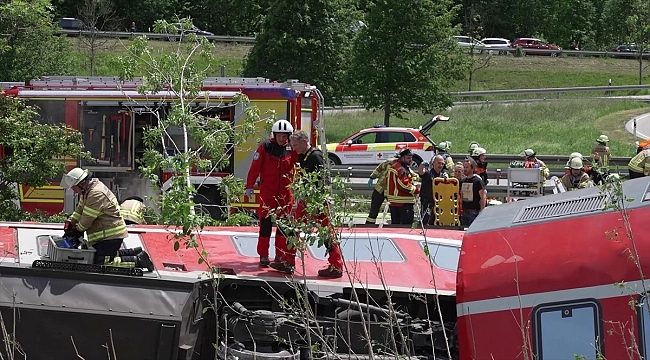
396 178
104 221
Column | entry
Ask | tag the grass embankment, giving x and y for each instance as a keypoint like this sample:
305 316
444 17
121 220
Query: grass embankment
553 128
106 63
504 72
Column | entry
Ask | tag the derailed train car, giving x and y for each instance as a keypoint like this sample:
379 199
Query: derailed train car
547 278
168 314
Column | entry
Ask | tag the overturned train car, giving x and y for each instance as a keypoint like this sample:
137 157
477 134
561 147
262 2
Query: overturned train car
60 311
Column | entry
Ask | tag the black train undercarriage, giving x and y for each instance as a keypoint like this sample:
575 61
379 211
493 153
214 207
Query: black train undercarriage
267 322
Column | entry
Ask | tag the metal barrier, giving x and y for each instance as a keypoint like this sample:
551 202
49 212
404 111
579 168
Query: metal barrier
156 36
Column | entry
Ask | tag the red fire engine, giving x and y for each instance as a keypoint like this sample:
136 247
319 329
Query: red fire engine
112 116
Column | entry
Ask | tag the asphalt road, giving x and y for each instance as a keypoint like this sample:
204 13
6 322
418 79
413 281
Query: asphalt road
642 126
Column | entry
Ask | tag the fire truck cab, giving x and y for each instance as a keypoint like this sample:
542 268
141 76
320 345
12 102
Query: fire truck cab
111 116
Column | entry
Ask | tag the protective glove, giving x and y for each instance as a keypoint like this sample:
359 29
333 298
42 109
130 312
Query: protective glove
249 193
370 182
67 225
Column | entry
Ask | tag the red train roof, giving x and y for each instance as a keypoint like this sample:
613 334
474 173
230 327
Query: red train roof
403 262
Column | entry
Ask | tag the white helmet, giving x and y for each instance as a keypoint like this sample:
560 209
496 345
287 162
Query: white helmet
478 151
282 126
571 157
74 177
576 164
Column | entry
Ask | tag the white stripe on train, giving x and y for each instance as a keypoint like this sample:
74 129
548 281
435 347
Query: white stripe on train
631 289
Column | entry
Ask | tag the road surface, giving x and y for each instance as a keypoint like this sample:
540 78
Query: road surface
642 126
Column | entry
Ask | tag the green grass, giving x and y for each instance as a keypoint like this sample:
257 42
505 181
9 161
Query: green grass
532 72
504 71
230 55
553 128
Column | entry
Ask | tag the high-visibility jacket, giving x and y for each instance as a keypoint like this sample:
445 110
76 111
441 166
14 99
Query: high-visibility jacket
399 185
582 181
380 173
641 163
603 154
133 210
98 214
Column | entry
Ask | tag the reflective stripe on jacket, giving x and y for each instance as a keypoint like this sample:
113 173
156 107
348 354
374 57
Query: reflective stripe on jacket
581 182
380 173
98 214
133 210
399 185
641 163
603 154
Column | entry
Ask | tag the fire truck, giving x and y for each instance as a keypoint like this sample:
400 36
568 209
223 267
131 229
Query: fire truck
111 116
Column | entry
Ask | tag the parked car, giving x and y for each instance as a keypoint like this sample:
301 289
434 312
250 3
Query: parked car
74 24
629 51
537 44
496 43
466 42
374 145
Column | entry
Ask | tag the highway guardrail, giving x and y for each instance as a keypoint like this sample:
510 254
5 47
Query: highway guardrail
156 36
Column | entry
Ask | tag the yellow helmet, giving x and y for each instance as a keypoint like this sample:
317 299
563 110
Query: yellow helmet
73 177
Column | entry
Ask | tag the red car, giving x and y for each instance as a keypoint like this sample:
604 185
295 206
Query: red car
536 44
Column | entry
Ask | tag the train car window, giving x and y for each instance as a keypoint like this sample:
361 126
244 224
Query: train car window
364 248
442 255
354 248
567 330
644 324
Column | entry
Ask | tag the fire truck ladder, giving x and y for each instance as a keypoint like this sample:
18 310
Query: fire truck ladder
112 83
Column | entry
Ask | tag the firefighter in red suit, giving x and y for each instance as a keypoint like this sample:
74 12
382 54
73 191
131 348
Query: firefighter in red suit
311 160
273 163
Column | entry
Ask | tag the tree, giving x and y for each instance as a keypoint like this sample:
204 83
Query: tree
310 41
639 26
406 58
30 151
29 47
474 31
98 15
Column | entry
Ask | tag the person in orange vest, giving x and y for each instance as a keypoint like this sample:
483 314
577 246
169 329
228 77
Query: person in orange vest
641 145
400 190
532 162
478 154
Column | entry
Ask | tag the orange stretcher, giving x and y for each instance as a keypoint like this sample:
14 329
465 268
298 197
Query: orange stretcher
446 202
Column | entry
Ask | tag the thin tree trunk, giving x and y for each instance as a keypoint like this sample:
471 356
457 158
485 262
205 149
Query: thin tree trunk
387 110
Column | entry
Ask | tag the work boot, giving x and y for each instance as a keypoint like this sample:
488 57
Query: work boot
144 261
264 261
330 272
283 267
130 252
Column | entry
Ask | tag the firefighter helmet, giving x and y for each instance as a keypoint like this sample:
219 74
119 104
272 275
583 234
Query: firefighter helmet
571 157
444 146
74 177
528 153
603 139
576 164
282 126
478 151
473 145
405 152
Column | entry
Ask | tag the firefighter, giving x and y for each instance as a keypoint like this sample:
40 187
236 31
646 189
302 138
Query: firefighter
273 162
640 146
400 189
576 178
600 153
532 162
132 210
478 154
98 215
639 165
443 150
311 160
377 198
473 145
